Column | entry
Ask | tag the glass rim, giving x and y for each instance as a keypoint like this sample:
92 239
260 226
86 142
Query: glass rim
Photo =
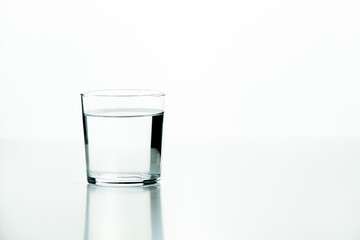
123 93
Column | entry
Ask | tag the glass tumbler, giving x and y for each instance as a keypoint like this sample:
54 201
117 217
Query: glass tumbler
123 135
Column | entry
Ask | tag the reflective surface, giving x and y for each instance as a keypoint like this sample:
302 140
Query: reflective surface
295 188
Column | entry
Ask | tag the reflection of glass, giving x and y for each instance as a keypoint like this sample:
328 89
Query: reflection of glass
123 213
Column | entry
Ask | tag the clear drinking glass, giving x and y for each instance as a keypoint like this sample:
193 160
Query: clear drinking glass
123 135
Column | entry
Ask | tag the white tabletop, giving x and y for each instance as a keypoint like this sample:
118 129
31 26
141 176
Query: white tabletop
221 188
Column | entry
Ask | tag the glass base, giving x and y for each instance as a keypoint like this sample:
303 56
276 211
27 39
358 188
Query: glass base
123 179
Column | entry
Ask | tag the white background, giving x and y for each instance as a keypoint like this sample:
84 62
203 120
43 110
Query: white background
229 68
